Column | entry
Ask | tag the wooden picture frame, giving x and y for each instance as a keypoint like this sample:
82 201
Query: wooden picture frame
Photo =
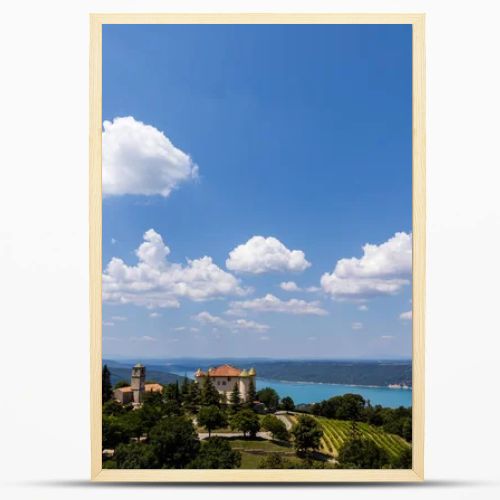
418 197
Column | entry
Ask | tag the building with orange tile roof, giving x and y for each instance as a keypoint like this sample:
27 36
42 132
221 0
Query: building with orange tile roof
226 377
134 393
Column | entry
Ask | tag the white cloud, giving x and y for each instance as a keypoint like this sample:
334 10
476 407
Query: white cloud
270 303
155 315
108 323
243 324
264 338
382 270
387 337
119 318
357 326
261 255
113 241
363 307
179 329
206 318
406 315
312 339
290 286
144 338
156 282
139 159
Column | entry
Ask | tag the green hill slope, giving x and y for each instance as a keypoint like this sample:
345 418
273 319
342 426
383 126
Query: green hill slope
335 432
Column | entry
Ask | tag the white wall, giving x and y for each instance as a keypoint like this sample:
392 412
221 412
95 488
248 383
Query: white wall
43 248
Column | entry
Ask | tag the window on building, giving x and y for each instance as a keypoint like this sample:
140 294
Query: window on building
224 382
229 379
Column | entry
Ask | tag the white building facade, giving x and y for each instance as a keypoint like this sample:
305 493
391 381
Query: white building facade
225 377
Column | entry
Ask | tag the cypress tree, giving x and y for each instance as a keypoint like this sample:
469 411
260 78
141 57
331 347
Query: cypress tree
107 389
209 394
252 392
235 398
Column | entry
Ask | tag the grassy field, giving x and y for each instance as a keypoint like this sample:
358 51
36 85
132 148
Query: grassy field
335 432
253 451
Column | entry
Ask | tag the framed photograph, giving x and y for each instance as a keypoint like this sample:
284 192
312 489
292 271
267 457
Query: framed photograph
257 247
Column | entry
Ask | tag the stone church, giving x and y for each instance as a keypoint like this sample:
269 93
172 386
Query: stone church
134 393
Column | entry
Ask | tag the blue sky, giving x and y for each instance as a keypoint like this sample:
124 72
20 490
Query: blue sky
288 145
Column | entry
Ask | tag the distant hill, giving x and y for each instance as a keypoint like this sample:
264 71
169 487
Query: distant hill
376 373
348 372
121 371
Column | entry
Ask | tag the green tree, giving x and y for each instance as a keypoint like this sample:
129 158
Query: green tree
362 453
269 397
406 429
185 390
276 427
307 434
115 408
252 392
245 421
175 442
135 456
216 453
403 460
287 404
107 389
209 394
134 424
234 398
211 417
113 432
191 399
172 392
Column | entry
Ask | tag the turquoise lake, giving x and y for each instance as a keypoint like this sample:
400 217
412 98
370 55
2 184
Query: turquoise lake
304 392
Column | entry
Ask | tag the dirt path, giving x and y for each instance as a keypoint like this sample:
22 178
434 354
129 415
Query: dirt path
284 419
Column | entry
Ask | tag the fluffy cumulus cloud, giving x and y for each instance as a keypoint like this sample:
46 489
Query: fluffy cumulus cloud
139 159
290 286
270 303
261 255
406 315
205 318
156 282
382 270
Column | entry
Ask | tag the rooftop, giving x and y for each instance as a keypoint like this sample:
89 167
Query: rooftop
225 371
147 388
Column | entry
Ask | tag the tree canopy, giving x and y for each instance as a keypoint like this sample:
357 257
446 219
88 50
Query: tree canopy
269 397
359 453
209 394
211 417
216 453
175 442
307 434
245 421
276 427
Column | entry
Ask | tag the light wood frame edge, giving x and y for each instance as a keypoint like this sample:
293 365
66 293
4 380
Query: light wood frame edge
419 251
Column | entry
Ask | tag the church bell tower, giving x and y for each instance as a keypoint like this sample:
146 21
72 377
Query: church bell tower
137 382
